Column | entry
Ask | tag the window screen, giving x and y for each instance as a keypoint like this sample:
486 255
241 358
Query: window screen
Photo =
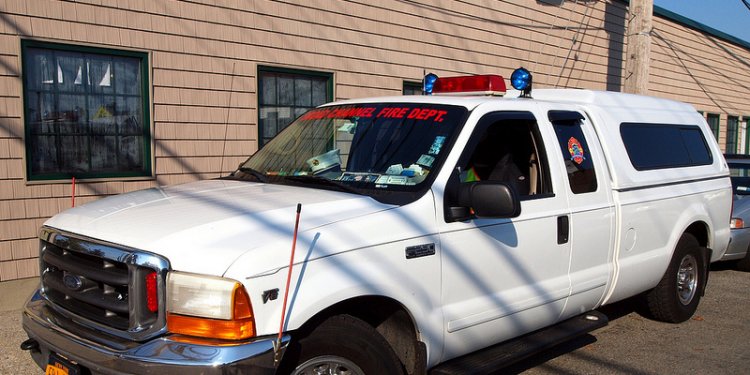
412 88
86 112
284 95
733 124
713 123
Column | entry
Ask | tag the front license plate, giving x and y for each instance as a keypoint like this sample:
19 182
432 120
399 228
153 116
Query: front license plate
58 365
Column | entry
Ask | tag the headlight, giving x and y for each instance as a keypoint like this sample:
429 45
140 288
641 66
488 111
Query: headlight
208 306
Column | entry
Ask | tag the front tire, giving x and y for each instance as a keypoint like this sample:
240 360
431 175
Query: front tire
342 344
677 295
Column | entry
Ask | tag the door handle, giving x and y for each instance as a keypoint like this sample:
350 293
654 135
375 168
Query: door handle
563 229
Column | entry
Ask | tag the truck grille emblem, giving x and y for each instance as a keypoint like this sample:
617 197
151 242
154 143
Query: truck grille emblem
72 282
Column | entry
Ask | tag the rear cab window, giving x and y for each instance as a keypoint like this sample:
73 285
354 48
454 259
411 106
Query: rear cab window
579 163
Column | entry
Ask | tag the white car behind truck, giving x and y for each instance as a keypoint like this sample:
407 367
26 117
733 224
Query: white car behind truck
433 231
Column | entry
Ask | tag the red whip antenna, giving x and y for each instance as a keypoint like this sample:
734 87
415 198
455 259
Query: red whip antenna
277 347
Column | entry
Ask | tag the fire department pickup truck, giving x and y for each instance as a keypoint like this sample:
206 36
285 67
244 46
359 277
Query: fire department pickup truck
404 235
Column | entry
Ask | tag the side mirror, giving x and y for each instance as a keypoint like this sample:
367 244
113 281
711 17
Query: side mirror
489 199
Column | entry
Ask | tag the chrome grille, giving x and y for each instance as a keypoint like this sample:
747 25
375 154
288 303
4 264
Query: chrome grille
101 285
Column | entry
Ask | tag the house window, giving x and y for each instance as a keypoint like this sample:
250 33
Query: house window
86 112
412 88
733 124
713 123
284 95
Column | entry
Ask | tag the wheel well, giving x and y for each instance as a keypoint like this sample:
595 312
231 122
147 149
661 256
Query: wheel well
699 230
389 318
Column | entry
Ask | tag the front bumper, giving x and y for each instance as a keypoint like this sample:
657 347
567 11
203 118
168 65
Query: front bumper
164 355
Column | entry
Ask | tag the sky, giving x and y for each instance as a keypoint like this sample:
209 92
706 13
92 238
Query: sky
728 16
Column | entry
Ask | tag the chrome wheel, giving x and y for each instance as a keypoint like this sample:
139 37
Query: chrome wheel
678 293
687 279
328 365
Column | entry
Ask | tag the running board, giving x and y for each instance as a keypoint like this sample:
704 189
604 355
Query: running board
489 360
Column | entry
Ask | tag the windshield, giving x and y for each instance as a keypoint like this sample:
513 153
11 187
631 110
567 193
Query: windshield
367 148
740 175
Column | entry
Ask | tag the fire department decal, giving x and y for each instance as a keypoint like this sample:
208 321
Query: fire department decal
576 150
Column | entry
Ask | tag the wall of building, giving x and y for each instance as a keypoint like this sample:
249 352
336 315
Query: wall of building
702 69
205 57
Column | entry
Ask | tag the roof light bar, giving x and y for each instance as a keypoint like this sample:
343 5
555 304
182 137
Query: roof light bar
487 84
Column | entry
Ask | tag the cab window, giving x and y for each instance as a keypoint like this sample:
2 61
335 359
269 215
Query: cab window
504 147
505 152
579 164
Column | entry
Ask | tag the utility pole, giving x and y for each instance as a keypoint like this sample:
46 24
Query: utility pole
637 63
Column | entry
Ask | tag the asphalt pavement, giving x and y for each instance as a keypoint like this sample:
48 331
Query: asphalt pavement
13 360
715 341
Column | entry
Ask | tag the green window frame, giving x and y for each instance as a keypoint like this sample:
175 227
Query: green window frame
285 94
713 123
746 119
86 112
412 88
733 125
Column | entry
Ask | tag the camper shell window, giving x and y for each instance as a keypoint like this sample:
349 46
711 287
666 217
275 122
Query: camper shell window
659 146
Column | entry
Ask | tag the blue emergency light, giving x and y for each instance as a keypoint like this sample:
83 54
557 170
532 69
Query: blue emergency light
428 83
521 81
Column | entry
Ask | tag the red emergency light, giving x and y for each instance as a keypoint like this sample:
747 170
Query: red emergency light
486 84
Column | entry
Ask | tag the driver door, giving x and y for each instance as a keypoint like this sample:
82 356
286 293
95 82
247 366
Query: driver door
504 277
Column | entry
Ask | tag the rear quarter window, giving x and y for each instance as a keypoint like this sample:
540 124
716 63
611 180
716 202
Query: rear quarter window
659 146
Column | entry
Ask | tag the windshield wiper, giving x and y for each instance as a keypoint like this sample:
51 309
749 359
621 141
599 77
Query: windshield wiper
324 181
257 174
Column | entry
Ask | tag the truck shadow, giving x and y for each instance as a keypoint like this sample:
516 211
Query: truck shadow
547 355
614 312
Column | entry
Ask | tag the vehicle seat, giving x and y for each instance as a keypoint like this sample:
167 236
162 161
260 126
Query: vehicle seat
506 170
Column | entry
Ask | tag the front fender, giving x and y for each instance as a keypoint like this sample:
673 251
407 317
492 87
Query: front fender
366 256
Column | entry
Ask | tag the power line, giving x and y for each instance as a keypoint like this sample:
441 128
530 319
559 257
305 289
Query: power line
573 43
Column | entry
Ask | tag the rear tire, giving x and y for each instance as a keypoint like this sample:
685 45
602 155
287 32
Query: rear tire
677 295
342 344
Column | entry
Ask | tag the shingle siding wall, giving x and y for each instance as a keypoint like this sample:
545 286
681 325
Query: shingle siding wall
204 59
708 72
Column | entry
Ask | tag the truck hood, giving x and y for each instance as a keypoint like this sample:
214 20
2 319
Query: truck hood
204 226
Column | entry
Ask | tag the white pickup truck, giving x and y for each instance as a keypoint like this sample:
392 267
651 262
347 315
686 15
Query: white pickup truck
435 233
